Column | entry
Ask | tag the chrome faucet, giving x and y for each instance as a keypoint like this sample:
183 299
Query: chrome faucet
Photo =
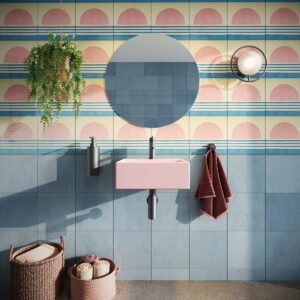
152 198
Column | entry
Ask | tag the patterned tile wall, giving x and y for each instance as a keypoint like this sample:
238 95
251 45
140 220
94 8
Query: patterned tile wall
44 190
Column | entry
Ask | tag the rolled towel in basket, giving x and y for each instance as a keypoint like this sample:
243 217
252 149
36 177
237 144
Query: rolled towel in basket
38 253
101 268
84 271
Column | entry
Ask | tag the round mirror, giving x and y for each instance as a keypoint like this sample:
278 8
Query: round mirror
152 80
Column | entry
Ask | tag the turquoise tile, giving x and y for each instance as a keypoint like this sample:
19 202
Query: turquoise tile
283 274
246 250
283 174
56 212
170 274
282 250
283 212
172 211
208 250
18 173
132 249
56 173
247 274
202 222
246 173
69 241
208 274
170 250
131 210
95 184
134 274
247 212
16 238
18 211
95 241
94 211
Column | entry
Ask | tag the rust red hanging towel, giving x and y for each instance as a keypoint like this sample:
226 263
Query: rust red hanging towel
213 189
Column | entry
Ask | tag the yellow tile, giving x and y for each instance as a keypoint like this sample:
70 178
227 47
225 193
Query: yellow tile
274 45
212 88
106 46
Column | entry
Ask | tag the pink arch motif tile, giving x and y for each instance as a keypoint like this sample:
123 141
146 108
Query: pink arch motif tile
209 52
15 52
132 14
17 93
170 14
283 52
94 14
283 13
56 14
208 128
246 14
18 128
209 93
127 131
18 14
247 92
246 128
101 127
13 90
96 52
283 90
208 14
175 131
94 92
61 129
283 128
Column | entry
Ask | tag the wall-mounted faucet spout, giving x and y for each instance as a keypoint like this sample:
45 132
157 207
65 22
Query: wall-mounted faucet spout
152 198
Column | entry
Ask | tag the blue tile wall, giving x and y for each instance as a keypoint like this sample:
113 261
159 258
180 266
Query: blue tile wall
258 239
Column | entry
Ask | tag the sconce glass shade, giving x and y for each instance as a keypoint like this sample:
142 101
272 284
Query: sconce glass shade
249 63
249 66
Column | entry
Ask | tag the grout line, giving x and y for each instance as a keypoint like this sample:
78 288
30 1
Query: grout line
227 158
265 149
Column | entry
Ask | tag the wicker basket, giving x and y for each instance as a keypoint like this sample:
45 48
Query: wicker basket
103 288
41 280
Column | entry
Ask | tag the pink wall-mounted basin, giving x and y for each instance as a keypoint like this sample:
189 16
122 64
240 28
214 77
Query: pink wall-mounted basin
152 174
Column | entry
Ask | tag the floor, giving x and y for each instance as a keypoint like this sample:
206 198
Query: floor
207 290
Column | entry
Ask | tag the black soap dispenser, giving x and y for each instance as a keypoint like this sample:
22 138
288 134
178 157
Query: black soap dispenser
93 166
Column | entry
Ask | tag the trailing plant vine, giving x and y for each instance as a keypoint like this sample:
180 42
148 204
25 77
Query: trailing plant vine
54 75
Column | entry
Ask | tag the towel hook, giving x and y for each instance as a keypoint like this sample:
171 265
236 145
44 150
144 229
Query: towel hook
211 147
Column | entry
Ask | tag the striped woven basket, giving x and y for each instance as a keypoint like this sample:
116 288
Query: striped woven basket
41 280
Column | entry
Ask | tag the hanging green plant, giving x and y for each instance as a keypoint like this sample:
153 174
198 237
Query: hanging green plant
55 75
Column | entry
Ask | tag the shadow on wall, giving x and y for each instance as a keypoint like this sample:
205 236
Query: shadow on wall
50 212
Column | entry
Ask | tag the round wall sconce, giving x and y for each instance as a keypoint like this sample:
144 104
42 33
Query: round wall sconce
250 65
